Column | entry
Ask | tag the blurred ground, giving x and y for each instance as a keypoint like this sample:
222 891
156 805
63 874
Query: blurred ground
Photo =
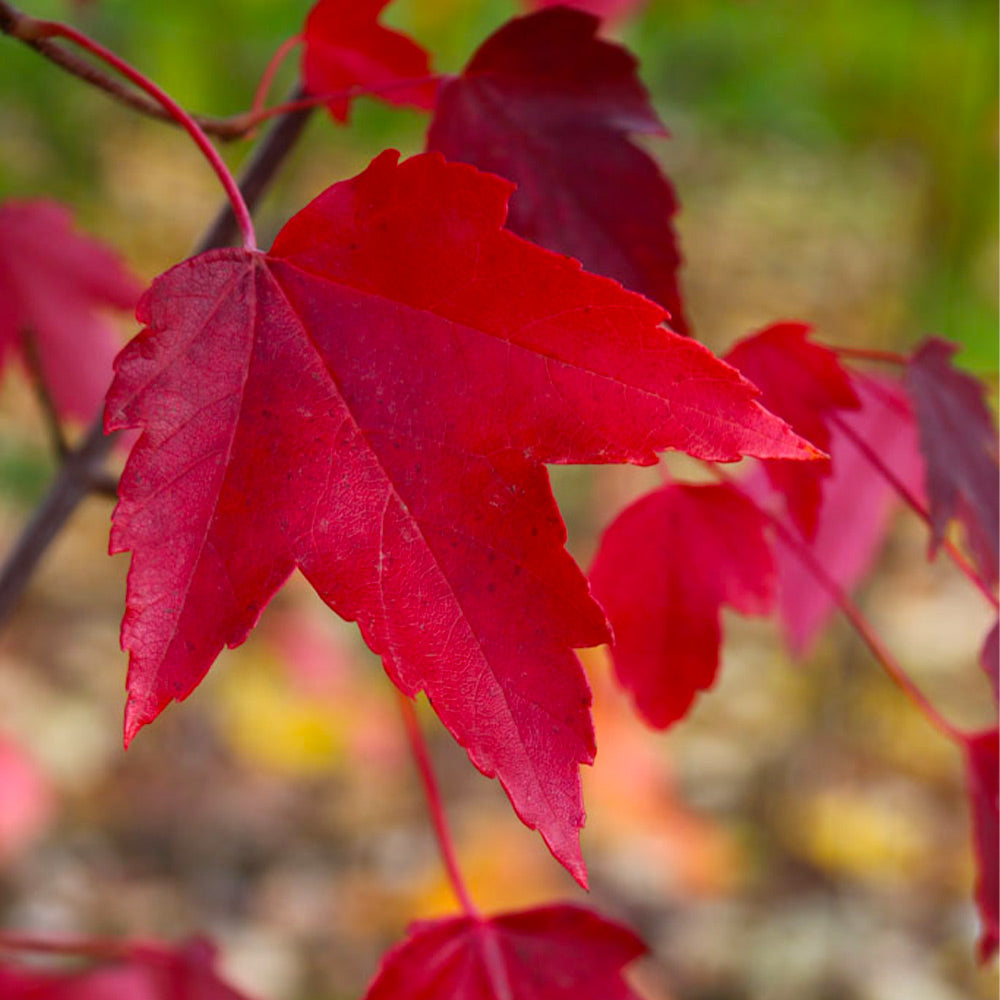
804 834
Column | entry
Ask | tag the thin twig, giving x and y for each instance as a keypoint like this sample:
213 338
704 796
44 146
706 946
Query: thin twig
33 362
56 29
861 625
83 467
911 500
19 25
260 170
239 126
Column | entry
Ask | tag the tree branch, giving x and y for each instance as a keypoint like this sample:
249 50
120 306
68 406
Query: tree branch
82 471
20 26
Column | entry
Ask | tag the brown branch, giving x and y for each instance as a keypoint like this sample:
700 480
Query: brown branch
82 472
23 27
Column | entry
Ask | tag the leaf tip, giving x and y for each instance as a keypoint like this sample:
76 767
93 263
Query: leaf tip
135 719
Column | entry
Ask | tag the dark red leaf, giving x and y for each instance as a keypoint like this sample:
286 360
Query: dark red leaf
858 503
54 286
550 953
550 106
133 972
346 47
664 569
959 442
990 659
806 385
372 402
981 758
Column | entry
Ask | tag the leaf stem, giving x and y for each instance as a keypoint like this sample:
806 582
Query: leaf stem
432 793
860 624
264 162
54 29
257 114
911 500
267 78
22 27
18 25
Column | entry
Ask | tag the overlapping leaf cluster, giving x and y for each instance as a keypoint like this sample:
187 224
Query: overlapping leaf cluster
373 402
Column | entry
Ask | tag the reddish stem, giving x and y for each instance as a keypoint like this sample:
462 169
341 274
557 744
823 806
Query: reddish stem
854 615
956 556
264 87
53 29
433 795
871 354
257 115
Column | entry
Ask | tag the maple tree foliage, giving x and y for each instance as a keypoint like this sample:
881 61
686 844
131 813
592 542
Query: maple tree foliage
346 47
550 106
959 442
55 286
557 952
664 569
125 971
372 402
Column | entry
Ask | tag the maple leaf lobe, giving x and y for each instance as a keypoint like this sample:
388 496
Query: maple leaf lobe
559 952
663 571
548 104
346 47
958 438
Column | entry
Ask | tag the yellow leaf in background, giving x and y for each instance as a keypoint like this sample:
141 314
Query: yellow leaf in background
302 702
852 832
270 725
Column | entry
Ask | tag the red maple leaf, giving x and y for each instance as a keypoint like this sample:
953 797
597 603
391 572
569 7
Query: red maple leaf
858 503
805 384
372 402
981 751
346 47
124 971
547 104
54 286
959 442
663 571
554 952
